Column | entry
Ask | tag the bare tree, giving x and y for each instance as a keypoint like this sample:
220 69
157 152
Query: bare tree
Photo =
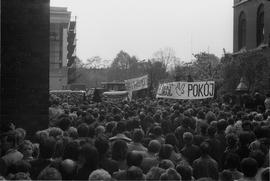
166 56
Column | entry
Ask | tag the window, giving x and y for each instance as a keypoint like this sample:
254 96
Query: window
260 25
242 24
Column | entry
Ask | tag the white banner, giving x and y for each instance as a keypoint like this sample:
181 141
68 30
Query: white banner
186 90
137 83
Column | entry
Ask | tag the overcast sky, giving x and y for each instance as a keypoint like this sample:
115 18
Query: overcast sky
141 27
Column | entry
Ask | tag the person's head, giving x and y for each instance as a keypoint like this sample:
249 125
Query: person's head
119 150
221 125
72 132
134 173
20 176
71 151
9 140
21 166
166 163
100 174
245 138
154 173
249 167
47 148
21 135
134 158
120 127
49 174
64 123
188 138
205 148
231 121
185 171
55 132
266 173
26 148
247 126
165 151
102 145
259 157
154 146
100 130
186 121
210 116
201 115
211 131
231 140
138 135
67 168
204 128
171 139
232 161
225 175
83 130
170 174
88 157
157 131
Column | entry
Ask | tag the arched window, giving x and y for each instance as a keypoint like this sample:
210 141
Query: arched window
242 24
260 25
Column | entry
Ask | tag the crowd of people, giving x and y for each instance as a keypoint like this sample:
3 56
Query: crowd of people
144 139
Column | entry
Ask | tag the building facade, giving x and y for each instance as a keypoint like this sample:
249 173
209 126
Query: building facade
60 19
251 25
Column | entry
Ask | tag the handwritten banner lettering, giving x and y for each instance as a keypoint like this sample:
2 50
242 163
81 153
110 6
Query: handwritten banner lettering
186 90
137 83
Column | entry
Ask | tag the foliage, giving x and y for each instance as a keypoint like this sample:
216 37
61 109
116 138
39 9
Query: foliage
123 67
253 66
204 67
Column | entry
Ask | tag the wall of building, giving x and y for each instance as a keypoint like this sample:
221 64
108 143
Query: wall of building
25 64
250 8
59 22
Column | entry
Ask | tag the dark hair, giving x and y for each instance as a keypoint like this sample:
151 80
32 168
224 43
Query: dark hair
185 171
102 145
157 130
205 148
154 146
249 167
119 150
47 147
83 130
135 173
91 156
204 128
134 159
211 131
225 175
170 174
91 131
221 125
258 156
49 173
165 151
138 135
71 151
232 161
20 166
120 127
244 138
171 139
266 174
64 123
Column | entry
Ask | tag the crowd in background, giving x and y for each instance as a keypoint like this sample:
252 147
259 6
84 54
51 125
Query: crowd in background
143 139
